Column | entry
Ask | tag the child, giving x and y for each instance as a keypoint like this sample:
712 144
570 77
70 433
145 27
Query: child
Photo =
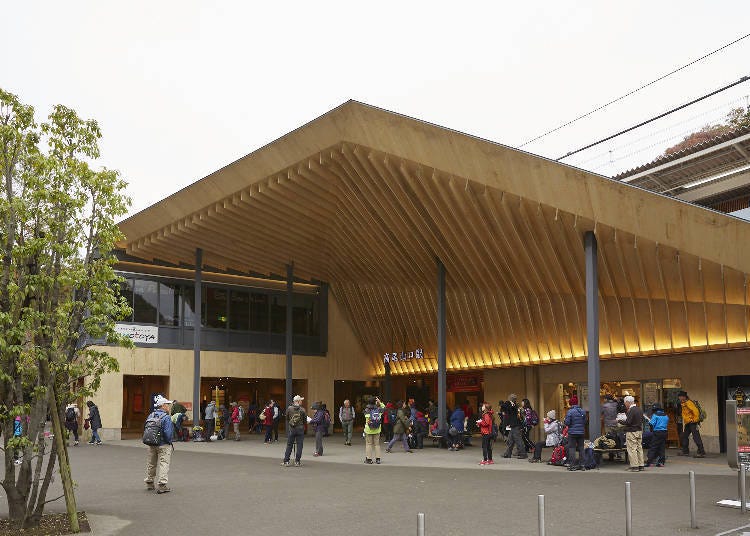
657 452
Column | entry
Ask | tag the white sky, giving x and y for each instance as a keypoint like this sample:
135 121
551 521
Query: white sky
183 88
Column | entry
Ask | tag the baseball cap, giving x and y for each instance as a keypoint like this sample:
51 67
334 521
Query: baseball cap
160 401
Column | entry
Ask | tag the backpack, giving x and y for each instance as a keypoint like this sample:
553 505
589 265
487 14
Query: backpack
241 413
70 415
326 418
558 456
589 459
701 412
262 417
296 418
376 417
392 416
152 430
533 418
494 430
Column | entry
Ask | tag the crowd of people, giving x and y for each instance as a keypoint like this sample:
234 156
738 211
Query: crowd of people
626 429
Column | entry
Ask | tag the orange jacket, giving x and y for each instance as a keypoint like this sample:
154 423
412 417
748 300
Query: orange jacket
690 412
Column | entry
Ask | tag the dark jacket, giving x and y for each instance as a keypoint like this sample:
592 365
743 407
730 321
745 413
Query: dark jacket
319 420
512 417
94 419
575 420
634 419
457 419
291 410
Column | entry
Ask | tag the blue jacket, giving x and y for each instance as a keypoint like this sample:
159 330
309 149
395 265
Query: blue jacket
167 428
575 420
659 421
457 419
318 420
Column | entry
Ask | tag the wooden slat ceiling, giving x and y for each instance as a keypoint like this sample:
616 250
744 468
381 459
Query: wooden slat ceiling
372 222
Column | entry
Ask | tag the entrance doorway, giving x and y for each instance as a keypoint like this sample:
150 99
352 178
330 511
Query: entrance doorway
136 398
357 393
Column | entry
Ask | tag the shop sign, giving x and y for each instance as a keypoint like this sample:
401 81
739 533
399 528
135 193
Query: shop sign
394 357
139 334
743 436
463 383
739 397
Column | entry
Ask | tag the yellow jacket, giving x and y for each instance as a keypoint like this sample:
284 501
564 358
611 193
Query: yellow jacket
690 412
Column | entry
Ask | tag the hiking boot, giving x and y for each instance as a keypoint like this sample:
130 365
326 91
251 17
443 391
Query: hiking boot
388 451
163 489
284 464
75 443
298 464
368 460
316 454
641 468
150 486
659 465
700 455
377 460
633 469
98 443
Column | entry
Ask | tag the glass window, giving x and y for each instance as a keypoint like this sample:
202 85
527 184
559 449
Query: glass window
188 300
239 310
305 315
216 307
259 312
145 301
126 291
169 304
278 313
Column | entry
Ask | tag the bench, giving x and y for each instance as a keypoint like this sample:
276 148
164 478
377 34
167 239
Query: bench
599 453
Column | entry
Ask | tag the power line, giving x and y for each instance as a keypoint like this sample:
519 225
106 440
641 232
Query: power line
634 91
707 95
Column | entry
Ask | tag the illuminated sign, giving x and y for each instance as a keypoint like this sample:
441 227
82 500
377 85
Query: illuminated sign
395 357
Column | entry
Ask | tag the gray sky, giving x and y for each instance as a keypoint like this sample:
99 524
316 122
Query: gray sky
183 88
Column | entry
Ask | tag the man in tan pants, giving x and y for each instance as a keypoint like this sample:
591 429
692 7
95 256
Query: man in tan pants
157 434
634 434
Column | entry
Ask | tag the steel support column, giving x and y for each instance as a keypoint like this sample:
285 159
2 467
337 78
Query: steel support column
387 386
289 305
592 334
441 386
197 336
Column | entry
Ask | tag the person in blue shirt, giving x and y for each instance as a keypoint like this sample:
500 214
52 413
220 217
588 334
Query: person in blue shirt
160 454
657 452
456 430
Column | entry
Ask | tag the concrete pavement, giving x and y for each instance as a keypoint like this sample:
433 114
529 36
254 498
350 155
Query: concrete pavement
239 487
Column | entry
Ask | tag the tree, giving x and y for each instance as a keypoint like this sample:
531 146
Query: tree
737 118
58 290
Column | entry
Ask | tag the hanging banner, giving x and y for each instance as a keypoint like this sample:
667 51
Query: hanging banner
139 334
463 383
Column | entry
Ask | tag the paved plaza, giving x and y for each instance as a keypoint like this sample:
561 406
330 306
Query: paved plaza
239 487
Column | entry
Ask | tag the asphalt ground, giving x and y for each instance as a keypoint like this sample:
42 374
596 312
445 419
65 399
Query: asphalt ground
232 487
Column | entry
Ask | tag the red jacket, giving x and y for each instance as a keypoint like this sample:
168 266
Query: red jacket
486 425
235 414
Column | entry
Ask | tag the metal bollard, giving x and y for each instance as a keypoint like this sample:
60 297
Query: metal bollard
541 514
743 489
628 511
693 523
420 524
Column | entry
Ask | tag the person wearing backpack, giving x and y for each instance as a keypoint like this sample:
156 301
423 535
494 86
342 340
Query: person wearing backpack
346 416
295 434
488 428
374 413
691 418
319 425
530 420
657 451
575 420
514 420
389 419
633 426
553 430
401 427
71 421
157 434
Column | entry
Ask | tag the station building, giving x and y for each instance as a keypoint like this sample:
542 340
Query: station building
391 256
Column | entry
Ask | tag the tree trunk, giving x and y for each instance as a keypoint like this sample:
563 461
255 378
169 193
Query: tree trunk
64 464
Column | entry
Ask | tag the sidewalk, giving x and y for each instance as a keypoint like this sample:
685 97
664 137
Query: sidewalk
335 451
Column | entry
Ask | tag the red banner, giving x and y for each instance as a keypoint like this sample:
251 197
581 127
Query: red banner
464 383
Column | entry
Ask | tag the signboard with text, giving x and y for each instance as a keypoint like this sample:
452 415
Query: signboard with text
395 357
743 436
138 333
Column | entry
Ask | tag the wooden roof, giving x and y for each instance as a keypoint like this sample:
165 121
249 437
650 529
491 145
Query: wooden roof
366 199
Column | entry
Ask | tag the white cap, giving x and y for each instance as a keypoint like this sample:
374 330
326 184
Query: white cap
298 398
160 401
